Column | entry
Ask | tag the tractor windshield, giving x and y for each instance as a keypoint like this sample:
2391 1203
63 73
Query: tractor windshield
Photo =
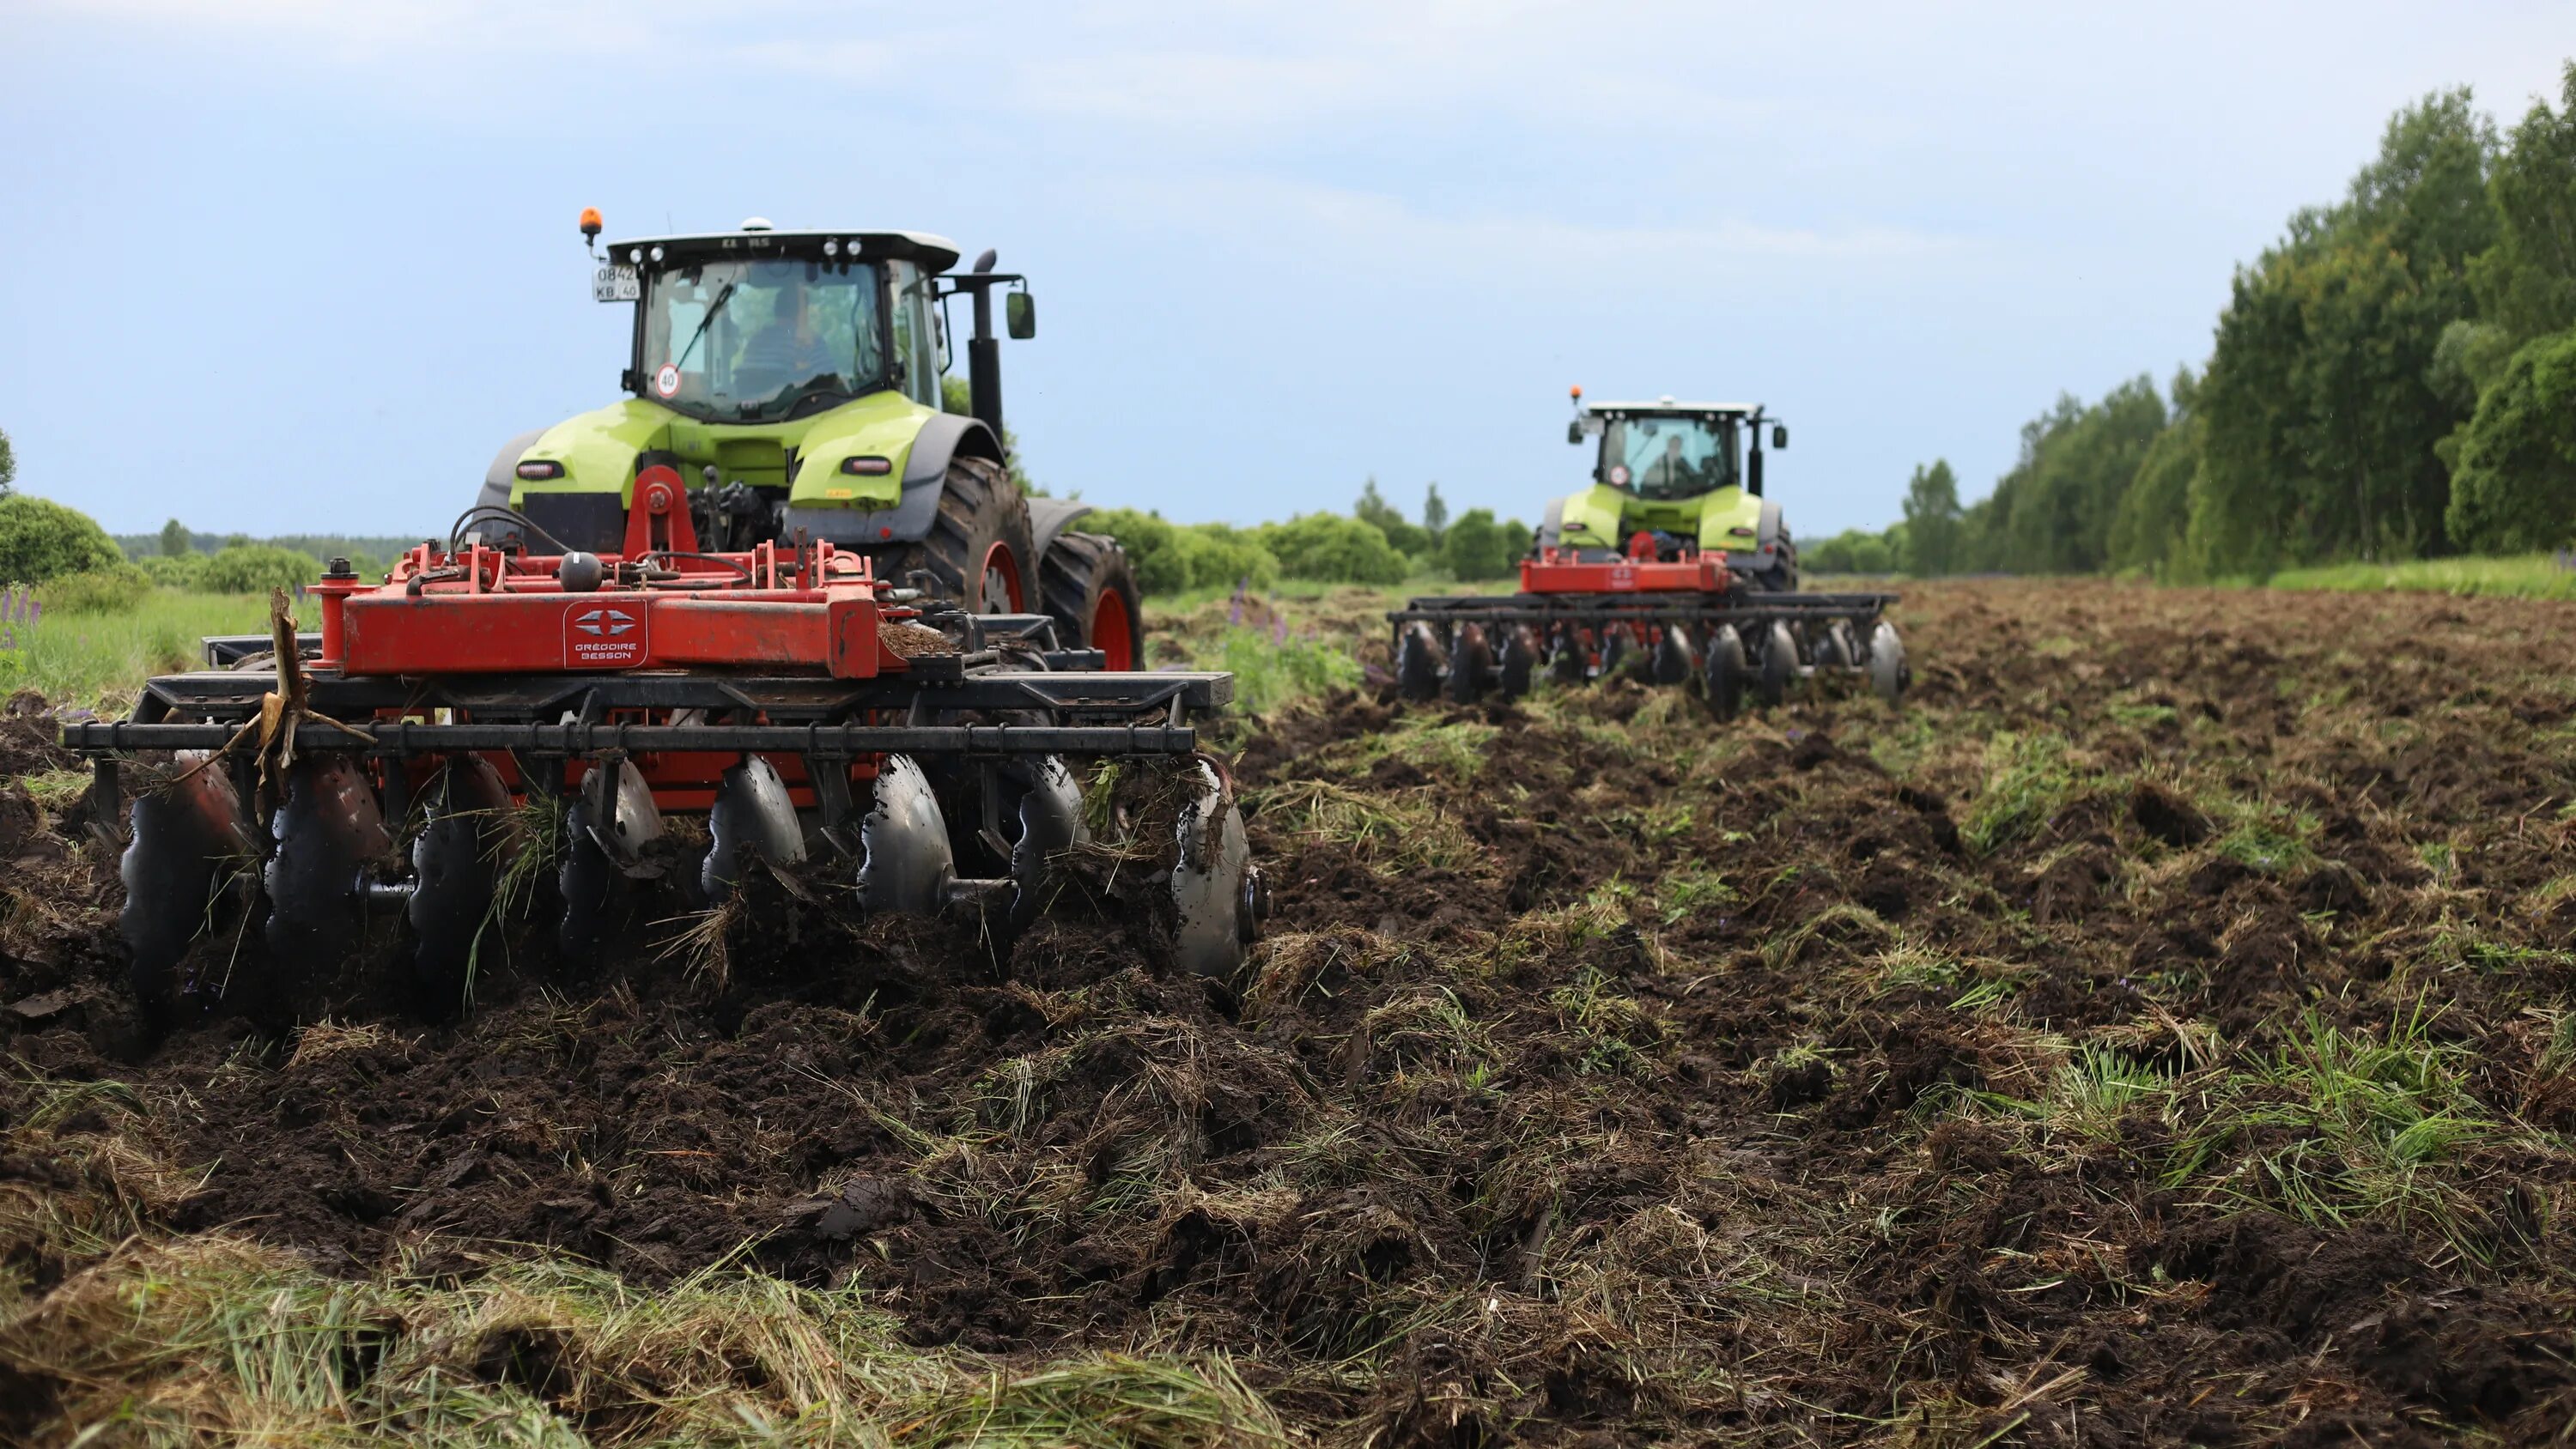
755 340
1669 457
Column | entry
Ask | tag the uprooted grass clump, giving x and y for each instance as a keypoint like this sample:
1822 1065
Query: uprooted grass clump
2157 1031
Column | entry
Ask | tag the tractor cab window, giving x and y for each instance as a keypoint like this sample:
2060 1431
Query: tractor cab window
763 340
1669 457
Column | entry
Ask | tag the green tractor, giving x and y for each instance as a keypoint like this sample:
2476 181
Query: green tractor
1689 474
793 380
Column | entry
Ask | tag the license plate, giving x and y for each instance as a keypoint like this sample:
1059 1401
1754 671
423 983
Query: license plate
616 282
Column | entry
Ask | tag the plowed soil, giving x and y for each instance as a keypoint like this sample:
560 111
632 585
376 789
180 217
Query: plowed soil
2158 1030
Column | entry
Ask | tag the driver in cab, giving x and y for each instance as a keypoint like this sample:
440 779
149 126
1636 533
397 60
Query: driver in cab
783 351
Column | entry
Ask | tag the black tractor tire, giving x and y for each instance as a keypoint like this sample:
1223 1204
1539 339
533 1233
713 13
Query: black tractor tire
1089 588
980 552
1782 576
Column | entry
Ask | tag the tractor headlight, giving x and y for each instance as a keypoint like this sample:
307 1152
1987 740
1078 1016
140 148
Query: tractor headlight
868 467
541 470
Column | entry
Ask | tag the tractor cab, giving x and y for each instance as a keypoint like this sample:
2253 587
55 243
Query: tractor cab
761 326
1687 475
789 379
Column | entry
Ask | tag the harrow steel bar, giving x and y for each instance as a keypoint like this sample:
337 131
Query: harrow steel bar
1138 692
1579 608
578 740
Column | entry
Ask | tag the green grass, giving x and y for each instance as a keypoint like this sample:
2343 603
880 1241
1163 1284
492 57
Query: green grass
211 1340
85 659
2337 1126
2521 576
2028 780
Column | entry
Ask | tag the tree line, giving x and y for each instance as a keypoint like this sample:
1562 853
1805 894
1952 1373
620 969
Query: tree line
1372 544
2394 377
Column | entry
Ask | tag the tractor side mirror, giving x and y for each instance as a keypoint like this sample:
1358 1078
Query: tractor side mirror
1779 435
1574 432
1020 315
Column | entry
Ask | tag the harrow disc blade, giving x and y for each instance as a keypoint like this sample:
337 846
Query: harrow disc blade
188 835
1722 673
611 821
620 817
1050 823
1888 672
1417 664
1214 883
905 859
752 812
1569 662
1614 650
1835 648
1779 666
588 883
328 832
1469 663
1520 661
1674 661
456 863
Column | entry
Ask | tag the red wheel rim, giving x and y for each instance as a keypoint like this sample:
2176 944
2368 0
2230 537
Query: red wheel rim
1003 569
1112 632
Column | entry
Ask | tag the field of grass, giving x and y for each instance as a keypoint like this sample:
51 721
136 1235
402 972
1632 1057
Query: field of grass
92 660
2521 576
2156 1030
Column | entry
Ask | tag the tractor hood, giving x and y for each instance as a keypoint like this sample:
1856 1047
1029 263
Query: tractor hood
1729 521
597 451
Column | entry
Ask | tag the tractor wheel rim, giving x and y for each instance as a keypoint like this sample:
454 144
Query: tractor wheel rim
1112 632
997 591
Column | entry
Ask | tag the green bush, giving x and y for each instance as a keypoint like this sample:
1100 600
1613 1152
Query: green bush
1852 551
1171 558
42 540
2516 486
255 568
1476 547
181 571
1334 549
118 589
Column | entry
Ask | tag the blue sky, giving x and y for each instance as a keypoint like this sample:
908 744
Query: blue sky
282 265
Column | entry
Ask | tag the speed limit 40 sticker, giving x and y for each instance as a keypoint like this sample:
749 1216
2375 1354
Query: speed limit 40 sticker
667 381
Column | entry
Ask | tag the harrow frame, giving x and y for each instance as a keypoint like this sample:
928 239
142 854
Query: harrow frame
1685 618
786 694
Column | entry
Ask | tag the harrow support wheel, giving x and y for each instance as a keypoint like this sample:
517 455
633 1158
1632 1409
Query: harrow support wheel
1722 673
1779 666
189 835
1520 661
1888 672
456 864
1417 664
1471 659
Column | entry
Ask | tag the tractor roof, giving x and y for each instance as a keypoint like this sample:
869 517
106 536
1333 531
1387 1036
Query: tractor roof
932 253
1666 407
